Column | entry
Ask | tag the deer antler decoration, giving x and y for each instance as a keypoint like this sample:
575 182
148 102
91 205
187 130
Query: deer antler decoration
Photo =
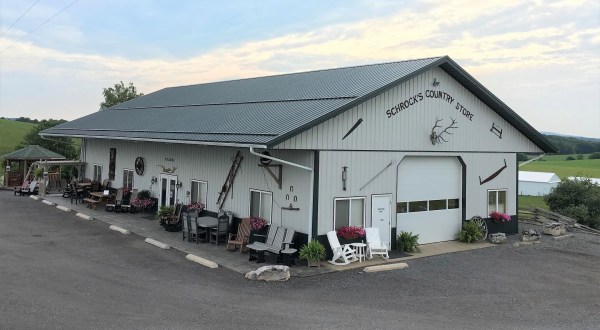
438 138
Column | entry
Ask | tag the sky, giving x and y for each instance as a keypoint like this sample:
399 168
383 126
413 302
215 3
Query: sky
541 58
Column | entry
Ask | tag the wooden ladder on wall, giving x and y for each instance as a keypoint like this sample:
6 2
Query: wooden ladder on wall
229 181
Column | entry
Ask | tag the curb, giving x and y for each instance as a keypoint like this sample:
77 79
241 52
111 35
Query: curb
48 202
379 268
119 229
64 208
157 243
83 216
202 261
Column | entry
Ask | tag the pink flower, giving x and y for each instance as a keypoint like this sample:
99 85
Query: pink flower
351 232
500 217
258 223
195 207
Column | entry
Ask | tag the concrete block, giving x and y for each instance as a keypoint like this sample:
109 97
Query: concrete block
47 202
63 208
379 268
202 261
157 243
83 216
119 229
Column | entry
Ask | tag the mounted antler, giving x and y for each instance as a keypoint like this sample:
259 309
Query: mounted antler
438 138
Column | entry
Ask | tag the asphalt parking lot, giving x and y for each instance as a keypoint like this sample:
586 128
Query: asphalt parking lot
58 271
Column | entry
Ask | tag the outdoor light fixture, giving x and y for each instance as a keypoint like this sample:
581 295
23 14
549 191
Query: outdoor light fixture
178 184
153 180
435 82
344 176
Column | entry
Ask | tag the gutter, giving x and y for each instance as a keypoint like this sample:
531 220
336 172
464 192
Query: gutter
312 183
531 160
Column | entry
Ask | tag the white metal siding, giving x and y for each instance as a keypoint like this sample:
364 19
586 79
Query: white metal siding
409 130
212 164
536 188
364 165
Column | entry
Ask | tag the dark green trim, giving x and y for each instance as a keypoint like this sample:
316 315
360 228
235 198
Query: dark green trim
464 187
315 201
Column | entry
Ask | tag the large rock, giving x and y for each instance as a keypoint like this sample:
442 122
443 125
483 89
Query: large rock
270 273
530 235
497 238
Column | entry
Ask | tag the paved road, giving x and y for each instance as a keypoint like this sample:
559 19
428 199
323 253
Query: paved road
60 272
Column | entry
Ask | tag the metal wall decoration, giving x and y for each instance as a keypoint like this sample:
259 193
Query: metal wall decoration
139 166
344 176
111 163
438 138
353 128
167 169
496 130
494 175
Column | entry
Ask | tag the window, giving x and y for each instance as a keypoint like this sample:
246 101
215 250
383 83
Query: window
128 178
497 201
349 212
97 173
261 204
430 205
199 191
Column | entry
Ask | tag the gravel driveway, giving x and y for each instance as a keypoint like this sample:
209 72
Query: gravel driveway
61 272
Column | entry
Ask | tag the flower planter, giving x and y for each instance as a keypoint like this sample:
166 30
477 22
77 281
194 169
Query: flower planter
314 263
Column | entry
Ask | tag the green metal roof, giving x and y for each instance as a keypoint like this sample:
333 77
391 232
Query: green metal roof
33 152
265 111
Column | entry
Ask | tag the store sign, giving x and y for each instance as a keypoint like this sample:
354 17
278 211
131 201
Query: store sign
429 94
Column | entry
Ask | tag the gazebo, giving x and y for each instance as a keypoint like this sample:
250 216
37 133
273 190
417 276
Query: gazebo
25 159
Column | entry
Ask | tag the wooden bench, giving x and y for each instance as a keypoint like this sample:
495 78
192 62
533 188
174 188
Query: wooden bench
91 203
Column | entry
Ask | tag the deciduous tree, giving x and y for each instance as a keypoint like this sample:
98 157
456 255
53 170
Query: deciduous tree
118 94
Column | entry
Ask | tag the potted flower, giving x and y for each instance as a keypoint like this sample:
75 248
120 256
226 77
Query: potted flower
143 201
313 252
350 234
258 226
164 212
195 207
499 217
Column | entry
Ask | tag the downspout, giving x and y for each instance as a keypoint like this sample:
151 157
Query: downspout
312 176
531 160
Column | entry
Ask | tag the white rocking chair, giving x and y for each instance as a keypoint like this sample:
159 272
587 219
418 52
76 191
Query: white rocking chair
374 244
345 252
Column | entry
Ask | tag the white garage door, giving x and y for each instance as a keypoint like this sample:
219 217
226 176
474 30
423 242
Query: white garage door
428 198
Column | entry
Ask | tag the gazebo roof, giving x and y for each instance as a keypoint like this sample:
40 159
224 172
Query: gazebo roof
33 152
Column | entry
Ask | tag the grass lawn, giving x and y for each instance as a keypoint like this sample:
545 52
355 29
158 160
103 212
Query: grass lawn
566 168
11 134
532 201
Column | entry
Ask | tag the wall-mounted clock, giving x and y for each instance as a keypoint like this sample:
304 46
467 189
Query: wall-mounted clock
139 166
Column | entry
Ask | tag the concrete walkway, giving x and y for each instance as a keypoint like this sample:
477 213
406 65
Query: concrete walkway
144 224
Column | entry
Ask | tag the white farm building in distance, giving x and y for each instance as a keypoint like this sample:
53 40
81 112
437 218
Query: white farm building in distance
537 183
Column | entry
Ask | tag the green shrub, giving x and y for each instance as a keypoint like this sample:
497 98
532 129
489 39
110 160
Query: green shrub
144 194
407 242
471 232
313 250
595 155
579 157
570 158
578 199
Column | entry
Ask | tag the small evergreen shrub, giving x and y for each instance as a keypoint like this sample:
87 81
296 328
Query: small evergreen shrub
407 242
313 250
471 232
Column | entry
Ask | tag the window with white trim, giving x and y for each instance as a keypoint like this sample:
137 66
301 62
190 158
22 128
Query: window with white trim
349 212
199 191
128 178
261 204
497 200
97 172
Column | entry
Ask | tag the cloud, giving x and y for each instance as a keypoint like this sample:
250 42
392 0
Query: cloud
523 36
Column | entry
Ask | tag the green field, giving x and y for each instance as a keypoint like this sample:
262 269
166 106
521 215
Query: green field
11 134
565 168
527 202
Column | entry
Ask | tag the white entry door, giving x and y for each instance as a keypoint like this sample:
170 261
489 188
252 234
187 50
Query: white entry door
381 213
168 190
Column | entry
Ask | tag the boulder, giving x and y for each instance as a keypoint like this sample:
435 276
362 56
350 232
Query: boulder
554 229
270 273
530 235
497 238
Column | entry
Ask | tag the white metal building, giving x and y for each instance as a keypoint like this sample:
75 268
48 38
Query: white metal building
415 146
537 183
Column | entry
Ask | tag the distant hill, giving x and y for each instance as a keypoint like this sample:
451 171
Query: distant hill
11 134
574 144
571 136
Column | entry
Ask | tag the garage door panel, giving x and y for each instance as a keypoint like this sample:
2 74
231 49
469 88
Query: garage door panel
425 179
